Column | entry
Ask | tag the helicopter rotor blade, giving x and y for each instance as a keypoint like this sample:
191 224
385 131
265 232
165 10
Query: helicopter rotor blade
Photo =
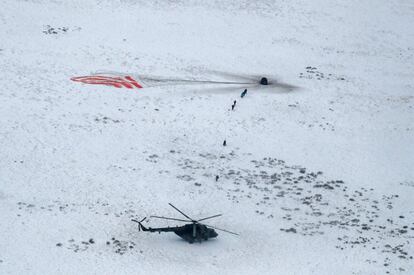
167 218
181 212
224 230
218 215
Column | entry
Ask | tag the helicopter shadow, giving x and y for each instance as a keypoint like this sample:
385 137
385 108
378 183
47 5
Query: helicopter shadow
210 242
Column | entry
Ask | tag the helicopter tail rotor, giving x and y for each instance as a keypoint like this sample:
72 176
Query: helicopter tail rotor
140 226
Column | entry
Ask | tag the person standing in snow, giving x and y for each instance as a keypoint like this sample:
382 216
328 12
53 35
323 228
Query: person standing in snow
243 93
234 105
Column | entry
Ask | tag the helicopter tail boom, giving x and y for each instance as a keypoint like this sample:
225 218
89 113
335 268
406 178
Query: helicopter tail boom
159 230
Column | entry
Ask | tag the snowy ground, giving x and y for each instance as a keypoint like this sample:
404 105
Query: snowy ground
318 180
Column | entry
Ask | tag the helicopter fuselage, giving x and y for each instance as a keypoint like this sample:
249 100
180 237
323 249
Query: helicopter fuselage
189 232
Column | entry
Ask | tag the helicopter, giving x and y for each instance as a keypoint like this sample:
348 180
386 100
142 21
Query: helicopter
191 232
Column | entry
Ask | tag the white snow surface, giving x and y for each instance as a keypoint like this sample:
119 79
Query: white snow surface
317 180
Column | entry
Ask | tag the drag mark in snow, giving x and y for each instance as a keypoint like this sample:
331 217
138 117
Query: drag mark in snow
117 81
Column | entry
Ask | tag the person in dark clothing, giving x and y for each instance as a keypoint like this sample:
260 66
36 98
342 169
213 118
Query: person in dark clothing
234 105
243 94
224 143
217 177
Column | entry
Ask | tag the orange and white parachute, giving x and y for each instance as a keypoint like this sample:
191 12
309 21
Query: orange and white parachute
113 80
119 80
